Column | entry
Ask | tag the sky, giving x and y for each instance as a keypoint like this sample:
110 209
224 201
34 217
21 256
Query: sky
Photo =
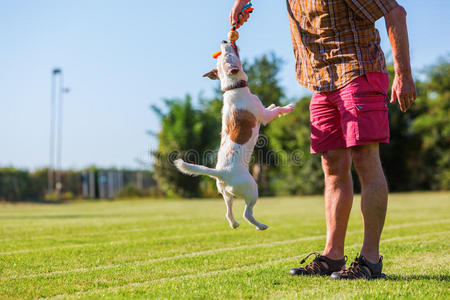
120 57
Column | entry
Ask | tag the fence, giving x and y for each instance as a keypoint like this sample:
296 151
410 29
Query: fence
23 185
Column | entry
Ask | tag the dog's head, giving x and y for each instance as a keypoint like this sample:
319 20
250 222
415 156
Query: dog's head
229 66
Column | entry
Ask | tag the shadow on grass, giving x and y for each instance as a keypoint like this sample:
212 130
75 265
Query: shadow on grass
412 277
33 201
56 217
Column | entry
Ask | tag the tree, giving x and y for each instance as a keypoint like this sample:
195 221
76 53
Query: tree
188 133
417 158
434 125
296 171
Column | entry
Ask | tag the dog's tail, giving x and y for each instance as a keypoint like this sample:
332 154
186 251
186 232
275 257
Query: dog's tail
192 169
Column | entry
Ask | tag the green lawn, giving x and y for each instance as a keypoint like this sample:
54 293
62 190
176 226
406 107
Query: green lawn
174 249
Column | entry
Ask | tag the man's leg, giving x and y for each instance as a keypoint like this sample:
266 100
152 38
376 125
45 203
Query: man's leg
336 165
374 197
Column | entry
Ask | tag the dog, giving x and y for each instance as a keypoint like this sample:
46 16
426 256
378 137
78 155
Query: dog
242 114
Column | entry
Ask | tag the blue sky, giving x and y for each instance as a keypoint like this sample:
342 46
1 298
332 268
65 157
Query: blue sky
119 57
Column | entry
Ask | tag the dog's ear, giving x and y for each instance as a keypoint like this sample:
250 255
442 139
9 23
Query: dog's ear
213 74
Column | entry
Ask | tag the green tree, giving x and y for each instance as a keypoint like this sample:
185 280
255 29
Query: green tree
434 125
397 156
296 171
417 157
188 133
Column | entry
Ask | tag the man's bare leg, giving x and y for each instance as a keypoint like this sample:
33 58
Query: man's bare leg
336 165
374 197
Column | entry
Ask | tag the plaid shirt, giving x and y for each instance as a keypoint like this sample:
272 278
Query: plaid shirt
335 41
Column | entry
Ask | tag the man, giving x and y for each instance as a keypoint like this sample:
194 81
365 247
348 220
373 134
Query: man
338 55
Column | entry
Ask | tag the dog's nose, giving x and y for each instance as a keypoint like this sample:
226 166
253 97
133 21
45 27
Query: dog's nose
224 42
234 71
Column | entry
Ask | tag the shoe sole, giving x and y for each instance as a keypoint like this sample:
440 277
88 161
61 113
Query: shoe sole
381 276
311 275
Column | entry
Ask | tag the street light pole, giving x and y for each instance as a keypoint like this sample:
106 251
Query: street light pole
50 174
62 90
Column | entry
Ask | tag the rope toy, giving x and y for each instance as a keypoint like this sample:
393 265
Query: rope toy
233 35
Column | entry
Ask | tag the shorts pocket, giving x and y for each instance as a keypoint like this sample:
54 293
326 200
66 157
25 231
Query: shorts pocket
372 121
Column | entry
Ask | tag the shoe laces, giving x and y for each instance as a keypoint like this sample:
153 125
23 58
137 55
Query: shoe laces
356 269
316 255
315 266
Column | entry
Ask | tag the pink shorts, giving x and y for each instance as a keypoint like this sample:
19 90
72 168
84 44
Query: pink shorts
356 114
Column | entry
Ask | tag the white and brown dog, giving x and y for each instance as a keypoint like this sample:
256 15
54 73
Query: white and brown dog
242 113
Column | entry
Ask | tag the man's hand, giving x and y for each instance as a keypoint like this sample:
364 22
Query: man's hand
403 88
236 18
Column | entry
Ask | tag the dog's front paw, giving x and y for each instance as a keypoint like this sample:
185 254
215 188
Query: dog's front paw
271 106
287 109
262 227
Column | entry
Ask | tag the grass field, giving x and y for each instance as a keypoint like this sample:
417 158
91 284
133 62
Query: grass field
173 249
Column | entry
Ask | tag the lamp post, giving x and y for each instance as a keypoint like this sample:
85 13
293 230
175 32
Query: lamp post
62 90
55 73
58 90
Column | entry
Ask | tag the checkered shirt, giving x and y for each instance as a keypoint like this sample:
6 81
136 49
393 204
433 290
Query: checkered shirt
335 41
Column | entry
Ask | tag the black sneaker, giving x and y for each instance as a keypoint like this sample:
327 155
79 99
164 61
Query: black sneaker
361 268
317 266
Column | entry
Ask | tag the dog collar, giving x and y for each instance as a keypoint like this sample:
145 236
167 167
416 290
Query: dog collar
237 85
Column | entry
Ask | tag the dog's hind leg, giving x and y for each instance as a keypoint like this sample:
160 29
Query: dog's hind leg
248 215
229 202
250 201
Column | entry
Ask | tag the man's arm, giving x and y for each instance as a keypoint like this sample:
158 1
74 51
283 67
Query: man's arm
403 88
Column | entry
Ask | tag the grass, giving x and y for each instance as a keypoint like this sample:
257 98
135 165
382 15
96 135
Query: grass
185 249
